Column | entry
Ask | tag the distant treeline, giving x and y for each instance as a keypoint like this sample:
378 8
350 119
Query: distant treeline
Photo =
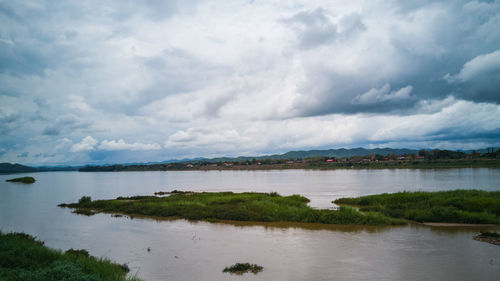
312 159
420 159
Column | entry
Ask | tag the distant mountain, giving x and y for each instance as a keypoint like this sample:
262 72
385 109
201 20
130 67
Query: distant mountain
7 168
343 152
338 153
300 154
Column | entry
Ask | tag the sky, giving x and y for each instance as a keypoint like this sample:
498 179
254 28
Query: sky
96 82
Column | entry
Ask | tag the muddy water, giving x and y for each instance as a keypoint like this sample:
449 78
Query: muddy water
183 250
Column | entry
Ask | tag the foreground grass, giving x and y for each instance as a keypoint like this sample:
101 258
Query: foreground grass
456 206
22 257
260 207
23 180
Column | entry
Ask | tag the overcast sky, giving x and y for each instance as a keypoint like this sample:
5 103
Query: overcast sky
126 81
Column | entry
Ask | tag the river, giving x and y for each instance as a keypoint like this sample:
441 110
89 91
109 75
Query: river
184 250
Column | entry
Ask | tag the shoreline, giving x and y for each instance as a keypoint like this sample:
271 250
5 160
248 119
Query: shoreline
469 225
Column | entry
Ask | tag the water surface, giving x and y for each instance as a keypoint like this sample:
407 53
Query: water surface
183 250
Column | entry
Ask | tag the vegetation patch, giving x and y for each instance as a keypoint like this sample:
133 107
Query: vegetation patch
26 180
250 206
489 237
241 268
175 191
22 257
85 212
456 206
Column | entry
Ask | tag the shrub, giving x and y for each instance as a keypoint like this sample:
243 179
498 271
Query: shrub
84 200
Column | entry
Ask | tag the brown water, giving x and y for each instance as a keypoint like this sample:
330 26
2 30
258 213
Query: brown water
182 250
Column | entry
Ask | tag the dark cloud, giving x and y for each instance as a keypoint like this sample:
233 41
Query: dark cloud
427 52
8 122
51 131
44 155
174 72
23 155
313 28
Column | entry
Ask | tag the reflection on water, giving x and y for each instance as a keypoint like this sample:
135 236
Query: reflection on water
185 250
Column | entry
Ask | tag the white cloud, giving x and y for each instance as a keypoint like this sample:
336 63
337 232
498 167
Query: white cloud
64 143
122 145
478 66
383 94
87 144
448 118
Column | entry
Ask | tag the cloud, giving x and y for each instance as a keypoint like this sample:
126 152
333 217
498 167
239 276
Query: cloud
486 64
199 137
121 145
65 142
448 120
200 78
384 94
23 155
315 28
87 144
51 131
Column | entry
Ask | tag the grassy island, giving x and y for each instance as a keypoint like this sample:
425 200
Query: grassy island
456 206
27 180
22 257
260 207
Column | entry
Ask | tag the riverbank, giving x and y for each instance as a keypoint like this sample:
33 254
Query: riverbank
456 206
249 206
302 164
22 257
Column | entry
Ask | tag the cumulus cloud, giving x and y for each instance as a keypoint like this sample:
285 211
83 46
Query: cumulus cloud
122 145
485 64
87 144
450 120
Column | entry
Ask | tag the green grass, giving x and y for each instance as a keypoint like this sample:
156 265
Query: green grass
241 268
23 180
23 258
260 207
456 206
490 234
